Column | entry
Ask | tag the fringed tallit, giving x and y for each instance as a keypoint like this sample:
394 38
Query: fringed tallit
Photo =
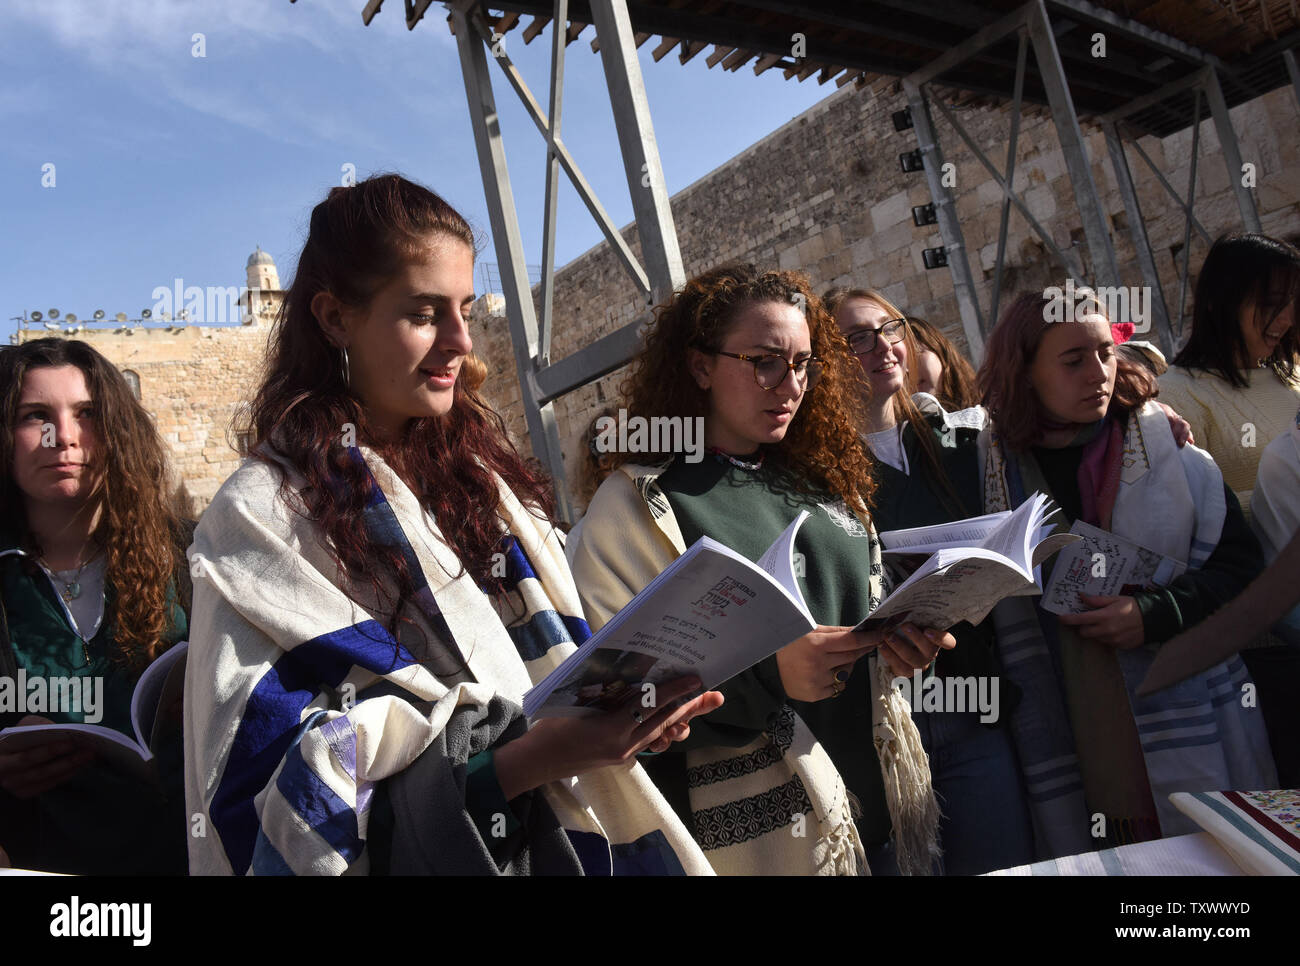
778 805
283 751
1195 735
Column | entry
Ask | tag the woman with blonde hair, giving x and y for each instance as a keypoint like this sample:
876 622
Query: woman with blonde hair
766 782
925 474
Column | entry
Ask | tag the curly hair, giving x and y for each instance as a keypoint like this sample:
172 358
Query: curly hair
956 389
1004 377
594 466
360 236
821 450
140 533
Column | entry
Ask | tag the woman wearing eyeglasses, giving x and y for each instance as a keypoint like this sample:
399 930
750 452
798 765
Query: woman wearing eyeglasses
762 781
925 473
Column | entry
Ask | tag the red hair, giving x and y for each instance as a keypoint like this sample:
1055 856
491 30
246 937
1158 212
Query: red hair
1004 377
360 236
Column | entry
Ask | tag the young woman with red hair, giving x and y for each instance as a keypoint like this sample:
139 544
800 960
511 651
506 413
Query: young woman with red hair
378 588
767 782
1073 418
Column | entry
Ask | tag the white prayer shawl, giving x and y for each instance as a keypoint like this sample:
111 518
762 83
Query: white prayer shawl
281 763
1195 735
748 802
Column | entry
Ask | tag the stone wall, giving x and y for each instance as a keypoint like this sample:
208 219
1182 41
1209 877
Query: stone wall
193 381
825 194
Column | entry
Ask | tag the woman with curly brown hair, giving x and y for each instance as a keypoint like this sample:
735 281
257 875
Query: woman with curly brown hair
380 585
92 585
756 358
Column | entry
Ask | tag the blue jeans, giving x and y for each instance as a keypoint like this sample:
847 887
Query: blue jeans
986 823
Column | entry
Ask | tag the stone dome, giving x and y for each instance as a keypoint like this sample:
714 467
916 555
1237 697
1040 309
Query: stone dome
259 257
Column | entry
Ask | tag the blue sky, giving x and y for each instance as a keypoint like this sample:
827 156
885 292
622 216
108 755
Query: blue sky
168 165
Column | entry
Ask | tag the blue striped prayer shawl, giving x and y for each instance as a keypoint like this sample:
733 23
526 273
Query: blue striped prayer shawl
283 746
1195 735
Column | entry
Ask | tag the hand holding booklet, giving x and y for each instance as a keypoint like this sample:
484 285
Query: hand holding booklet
155 705
1104 565
713 613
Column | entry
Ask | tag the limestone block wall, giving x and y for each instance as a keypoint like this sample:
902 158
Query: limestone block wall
825 194
193 381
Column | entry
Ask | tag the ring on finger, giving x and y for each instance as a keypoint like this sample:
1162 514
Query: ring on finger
637 716
837 688
842 675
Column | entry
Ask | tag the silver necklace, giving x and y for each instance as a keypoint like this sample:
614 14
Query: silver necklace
720 456
71 588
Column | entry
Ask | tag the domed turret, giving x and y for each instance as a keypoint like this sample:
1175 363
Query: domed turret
262 273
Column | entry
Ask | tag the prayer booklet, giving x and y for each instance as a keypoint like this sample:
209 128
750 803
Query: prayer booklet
155 704
1104 565
973 564
711 613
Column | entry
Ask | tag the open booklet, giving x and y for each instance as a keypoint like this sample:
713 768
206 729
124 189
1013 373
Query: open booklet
711 613
714 613
155 704
973 564
1103 564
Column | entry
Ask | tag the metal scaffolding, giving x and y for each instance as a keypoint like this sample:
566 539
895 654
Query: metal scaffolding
1204 84
540 380
1141 87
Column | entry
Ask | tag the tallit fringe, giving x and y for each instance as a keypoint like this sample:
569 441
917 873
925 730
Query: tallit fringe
905 767
839 848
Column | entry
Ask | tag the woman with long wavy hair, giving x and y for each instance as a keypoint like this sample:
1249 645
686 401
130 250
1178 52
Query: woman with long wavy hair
380 585
92 586
774 781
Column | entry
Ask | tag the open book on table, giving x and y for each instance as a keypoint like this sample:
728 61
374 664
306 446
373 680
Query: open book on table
155 705
973 564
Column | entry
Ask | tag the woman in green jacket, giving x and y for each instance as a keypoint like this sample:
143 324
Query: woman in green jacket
93 587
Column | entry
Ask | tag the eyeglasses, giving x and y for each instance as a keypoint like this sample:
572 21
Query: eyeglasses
770 371
864 340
